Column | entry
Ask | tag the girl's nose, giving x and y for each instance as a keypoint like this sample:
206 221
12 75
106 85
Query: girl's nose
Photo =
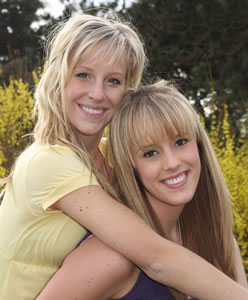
96 91
170 160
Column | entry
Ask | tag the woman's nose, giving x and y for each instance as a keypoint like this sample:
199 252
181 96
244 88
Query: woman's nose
170 160
96 91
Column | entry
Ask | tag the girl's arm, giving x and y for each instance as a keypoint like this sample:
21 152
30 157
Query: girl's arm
240 271
93 271
165 262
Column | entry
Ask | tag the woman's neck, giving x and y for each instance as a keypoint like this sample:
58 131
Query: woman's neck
100 163
173 231
91 143
168 217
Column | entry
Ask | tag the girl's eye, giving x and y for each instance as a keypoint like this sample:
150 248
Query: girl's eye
83 75
181 142
150 153
114 81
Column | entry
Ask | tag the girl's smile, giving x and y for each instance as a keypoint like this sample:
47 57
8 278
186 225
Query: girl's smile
176 181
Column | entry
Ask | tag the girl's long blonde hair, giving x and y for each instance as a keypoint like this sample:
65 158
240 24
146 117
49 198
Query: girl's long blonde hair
71 40
145 116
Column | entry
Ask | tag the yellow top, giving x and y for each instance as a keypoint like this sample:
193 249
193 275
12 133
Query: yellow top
34 240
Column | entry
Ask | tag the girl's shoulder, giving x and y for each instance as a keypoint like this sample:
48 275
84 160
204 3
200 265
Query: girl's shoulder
44 166
44 154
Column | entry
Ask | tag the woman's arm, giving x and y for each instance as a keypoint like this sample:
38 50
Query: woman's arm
165 262
93 271
240 271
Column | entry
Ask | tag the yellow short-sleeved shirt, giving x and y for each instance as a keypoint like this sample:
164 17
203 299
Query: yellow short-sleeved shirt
33 239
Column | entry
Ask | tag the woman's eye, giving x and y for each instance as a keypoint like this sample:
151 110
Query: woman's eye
181 142
150 153
114 81
83 75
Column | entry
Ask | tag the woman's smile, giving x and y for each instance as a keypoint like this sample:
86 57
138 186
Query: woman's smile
176 181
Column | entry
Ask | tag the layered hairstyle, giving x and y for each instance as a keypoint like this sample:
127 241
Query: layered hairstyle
143 118
70 41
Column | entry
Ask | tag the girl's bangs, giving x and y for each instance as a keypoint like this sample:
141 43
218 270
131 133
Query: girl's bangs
152 124
105 49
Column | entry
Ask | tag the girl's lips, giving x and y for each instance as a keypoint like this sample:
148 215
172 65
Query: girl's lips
176 181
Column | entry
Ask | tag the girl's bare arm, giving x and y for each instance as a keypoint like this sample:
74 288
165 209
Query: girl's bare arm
166 262
93 271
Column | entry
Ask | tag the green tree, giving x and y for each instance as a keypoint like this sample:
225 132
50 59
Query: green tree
16 17
197 42
20 48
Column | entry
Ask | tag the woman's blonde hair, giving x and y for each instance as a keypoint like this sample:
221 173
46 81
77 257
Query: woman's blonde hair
146 116
71 40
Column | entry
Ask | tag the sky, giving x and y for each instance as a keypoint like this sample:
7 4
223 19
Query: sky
55 7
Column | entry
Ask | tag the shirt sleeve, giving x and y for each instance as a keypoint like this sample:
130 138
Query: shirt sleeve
53 173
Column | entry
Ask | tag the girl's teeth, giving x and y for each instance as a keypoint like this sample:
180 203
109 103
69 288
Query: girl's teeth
91 110
176 180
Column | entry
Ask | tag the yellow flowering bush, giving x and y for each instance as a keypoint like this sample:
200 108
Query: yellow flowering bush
233 160
16 104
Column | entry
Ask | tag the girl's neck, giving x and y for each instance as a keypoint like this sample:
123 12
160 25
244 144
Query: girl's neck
168 217
91 143
172 231
100 163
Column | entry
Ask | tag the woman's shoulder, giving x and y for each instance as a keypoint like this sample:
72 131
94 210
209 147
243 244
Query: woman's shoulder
50 167
36 150
44 155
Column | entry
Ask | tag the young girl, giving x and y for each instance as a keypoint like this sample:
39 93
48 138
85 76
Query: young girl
56 191
166 172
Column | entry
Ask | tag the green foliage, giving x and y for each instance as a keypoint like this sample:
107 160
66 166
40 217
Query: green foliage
195 42
15 19
20 49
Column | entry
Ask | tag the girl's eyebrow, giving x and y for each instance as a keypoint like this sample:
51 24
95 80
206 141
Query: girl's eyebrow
85 67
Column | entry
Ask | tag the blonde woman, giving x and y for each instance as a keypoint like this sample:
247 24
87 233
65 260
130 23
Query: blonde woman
57 189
